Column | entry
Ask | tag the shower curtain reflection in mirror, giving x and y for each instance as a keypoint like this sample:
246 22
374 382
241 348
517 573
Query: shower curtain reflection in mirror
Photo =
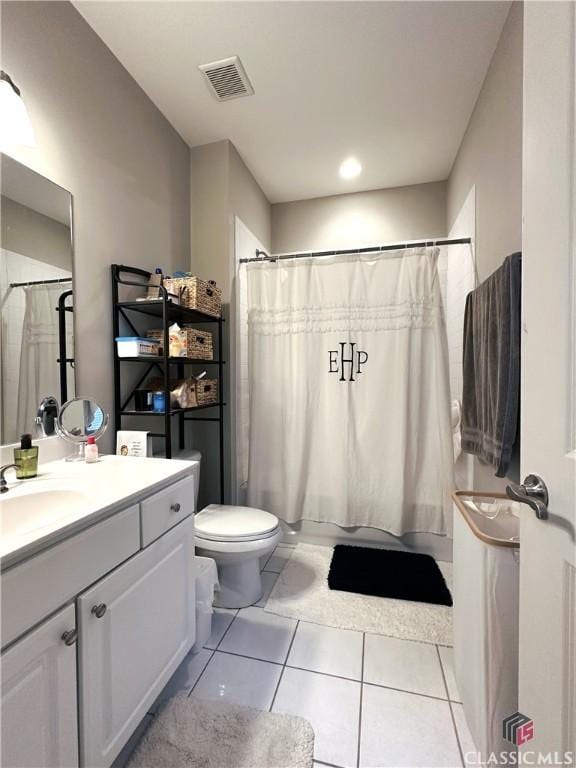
349 415
30 341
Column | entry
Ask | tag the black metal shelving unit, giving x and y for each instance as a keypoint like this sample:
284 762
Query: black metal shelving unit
168 313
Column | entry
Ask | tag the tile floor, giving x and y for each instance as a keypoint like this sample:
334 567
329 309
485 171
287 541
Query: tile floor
373 701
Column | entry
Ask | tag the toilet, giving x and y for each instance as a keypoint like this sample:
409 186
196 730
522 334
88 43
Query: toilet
236 538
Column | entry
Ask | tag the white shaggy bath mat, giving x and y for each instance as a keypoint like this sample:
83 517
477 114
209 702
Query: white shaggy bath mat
302 592
194 733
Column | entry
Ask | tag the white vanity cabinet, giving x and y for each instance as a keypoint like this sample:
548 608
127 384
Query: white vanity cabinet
39 712
94 624
135 627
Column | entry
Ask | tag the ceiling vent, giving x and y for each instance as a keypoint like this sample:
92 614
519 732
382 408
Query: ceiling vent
227 79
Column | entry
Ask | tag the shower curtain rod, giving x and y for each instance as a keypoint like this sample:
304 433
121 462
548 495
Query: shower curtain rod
41 282
263 256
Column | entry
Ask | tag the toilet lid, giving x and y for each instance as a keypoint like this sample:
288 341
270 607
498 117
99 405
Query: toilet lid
224 522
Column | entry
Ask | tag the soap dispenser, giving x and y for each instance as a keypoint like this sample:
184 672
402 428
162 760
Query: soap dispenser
26 458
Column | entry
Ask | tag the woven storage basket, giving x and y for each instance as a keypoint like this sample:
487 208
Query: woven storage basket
207 391
188 393
203 295
198 344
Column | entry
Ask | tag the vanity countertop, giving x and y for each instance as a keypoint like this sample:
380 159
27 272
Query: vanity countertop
67 497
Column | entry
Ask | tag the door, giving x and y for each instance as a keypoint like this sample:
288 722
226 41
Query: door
39 713
548 549
136 625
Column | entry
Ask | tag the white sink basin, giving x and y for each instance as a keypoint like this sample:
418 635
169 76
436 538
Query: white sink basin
22 513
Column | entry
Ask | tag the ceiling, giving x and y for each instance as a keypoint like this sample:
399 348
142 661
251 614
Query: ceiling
391 83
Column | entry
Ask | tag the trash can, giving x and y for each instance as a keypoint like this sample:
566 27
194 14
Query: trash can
486 585
206 577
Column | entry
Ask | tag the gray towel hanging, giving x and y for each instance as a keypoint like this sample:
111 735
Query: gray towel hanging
491 366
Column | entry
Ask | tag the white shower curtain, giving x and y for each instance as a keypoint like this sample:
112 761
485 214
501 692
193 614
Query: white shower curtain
373 451
39 370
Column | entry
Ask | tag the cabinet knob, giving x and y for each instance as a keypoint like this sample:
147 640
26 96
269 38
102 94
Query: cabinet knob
175 507
99 610
70 636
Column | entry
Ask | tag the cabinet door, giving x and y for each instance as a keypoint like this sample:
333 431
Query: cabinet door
39 712
136 625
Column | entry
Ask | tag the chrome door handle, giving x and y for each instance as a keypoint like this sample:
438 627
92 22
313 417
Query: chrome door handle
532 492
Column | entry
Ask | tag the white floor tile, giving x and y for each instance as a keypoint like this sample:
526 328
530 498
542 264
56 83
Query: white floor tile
260 635
471 756
238 680
332 707
221 620
326 649
402 729
268 581
184 678
403 664
447 659
279 558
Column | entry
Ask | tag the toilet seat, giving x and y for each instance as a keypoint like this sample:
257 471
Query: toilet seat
225 522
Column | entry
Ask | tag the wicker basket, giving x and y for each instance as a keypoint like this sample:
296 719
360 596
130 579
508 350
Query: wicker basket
199 344
203 295
188 393
193 343
206 391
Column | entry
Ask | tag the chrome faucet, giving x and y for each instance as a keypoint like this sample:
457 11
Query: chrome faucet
3 484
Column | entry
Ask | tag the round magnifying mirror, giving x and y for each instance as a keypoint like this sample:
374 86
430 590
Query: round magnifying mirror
78 420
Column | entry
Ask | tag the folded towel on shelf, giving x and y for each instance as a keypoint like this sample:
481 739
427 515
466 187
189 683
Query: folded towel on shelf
491 366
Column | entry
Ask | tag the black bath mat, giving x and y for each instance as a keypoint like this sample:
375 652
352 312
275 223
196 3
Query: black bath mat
388 573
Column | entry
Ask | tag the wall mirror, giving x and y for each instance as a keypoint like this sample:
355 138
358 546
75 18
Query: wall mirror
36 300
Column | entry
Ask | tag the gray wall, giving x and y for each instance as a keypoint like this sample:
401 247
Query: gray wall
222 187
490 157
32 234
99 136
360 219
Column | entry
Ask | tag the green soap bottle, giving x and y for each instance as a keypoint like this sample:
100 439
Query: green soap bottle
26 458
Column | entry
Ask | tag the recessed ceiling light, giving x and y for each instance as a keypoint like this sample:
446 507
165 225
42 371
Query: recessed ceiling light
350 168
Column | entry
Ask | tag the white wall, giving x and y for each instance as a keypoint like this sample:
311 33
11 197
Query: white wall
100 137
490 160
360 219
